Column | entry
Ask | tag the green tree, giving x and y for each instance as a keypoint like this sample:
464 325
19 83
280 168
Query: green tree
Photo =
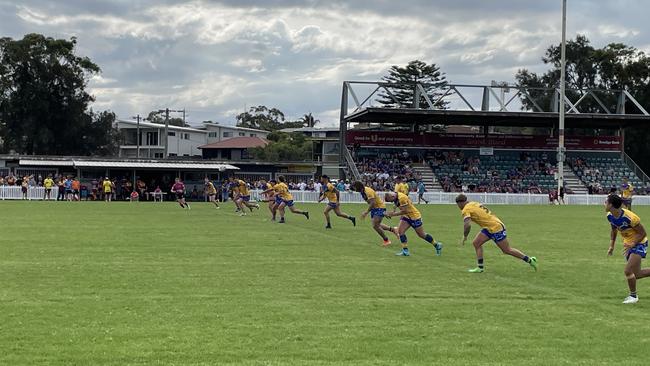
284 147
43 98
261 117
264 118
101 134
402 96
159 118
308 120
613 67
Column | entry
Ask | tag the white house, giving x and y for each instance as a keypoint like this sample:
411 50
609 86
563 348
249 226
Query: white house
180 141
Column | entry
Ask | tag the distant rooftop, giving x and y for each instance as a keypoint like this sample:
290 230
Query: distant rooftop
237 143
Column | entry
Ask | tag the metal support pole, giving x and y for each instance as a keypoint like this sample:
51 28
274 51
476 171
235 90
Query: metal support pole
416 95
343 129
561 149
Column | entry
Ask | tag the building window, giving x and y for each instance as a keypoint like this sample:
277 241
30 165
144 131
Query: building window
186 136
171 133
152 139
227 134
253 135
212 134
242 134
157 155
172 154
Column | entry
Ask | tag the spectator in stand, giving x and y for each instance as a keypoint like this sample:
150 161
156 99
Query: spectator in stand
421 190
95 189
68 188
60 183
48 184
76 189
340 186
24 185
141 187
107 188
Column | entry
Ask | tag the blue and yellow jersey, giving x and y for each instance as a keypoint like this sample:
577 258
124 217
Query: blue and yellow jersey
483 217
404 202
234 187
266 187
370 196
282 191
626 224
209 188
627 190
402 188
242 187
329 192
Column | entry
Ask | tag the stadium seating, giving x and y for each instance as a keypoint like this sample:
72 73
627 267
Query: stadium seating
604 172
511 172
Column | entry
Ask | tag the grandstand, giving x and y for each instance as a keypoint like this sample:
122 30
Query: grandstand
603 173
523 160
505 172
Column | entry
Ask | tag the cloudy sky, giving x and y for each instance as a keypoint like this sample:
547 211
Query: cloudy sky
214 58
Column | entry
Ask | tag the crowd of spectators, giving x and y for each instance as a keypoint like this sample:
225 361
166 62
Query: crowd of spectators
70 188
483 175
379 172
594 176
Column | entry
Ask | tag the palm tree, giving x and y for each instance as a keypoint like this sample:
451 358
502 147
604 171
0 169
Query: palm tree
309 121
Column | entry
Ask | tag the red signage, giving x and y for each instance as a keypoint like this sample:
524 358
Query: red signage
399 139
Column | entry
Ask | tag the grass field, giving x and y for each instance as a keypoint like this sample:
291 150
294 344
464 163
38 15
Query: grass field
150 284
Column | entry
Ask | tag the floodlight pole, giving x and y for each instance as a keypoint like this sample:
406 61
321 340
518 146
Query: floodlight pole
561 149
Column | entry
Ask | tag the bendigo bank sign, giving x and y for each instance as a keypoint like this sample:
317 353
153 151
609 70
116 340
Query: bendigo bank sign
401 139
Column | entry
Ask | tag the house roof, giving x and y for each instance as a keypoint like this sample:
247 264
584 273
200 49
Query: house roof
310 129
156 125
237 143
216 124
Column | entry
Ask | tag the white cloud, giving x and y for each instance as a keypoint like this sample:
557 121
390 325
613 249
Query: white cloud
215 57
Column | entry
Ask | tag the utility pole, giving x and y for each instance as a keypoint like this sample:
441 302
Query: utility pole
166 137
137 136
166 133
561 149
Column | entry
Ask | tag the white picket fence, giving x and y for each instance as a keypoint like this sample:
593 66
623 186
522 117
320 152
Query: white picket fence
38 193
33 193
442 198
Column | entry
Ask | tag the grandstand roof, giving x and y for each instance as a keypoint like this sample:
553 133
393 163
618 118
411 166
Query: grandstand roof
493 118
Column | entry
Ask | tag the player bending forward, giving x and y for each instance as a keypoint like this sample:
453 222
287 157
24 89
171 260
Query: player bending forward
333 202
283 198
635 242
240 190
491 229
411 218
211 191
376 209
268 195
